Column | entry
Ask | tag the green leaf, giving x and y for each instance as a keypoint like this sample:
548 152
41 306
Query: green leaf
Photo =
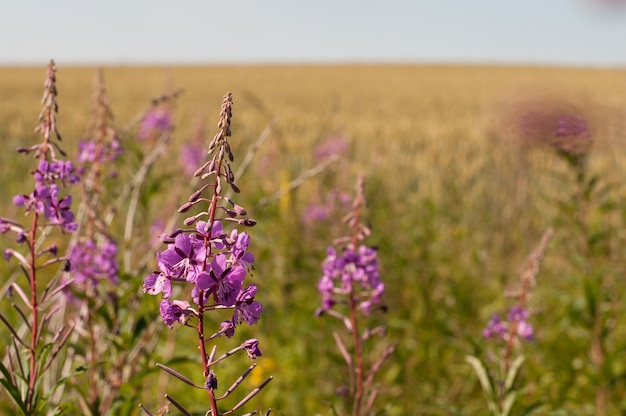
13 391
481 372
508 403
59 383
513 371
530 410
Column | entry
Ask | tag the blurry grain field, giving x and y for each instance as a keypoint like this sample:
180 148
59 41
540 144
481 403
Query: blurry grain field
455 203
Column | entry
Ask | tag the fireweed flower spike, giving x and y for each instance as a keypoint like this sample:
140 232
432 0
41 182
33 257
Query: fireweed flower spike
351 277
499 385
210 264
93 255
94 268
47 207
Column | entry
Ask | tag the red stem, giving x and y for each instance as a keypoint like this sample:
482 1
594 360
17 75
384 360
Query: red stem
207 245
358 353
35 313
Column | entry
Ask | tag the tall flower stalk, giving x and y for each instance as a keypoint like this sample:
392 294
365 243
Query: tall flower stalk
589 248
498 383
93 259
29 360
590 254
352 289
207 266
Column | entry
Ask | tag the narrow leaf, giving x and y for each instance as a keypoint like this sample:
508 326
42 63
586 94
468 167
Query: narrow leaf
146 411
481 372
178 405
508 403
6 322
178 375
513 371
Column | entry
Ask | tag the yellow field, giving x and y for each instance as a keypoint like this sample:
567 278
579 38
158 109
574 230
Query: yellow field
404 122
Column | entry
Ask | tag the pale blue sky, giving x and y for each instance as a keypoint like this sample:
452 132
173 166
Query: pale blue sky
549 32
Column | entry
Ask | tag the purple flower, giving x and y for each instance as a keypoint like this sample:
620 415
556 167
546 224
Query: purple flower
88 151
322 211
217 233
21 237
183 259
252 348
156 283
240 255
45 200
342 272
209 263
222 282
227 328
316 213
334 145
517 314
49 172
191 156
558 125
525 331
59 212
93 263
156 121
246 308
4 226
572 126
174 311
495 327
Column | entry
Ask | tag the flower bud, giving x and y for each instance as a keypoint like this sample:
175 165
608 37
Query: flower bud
190 220
185 207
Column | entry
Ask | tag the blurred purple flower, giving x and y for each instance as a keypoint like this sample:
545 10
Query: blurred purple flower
191 156
92 263
87 151
50 172
318 212
495 327
342 272
554 124
157 120
516 319
333 145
